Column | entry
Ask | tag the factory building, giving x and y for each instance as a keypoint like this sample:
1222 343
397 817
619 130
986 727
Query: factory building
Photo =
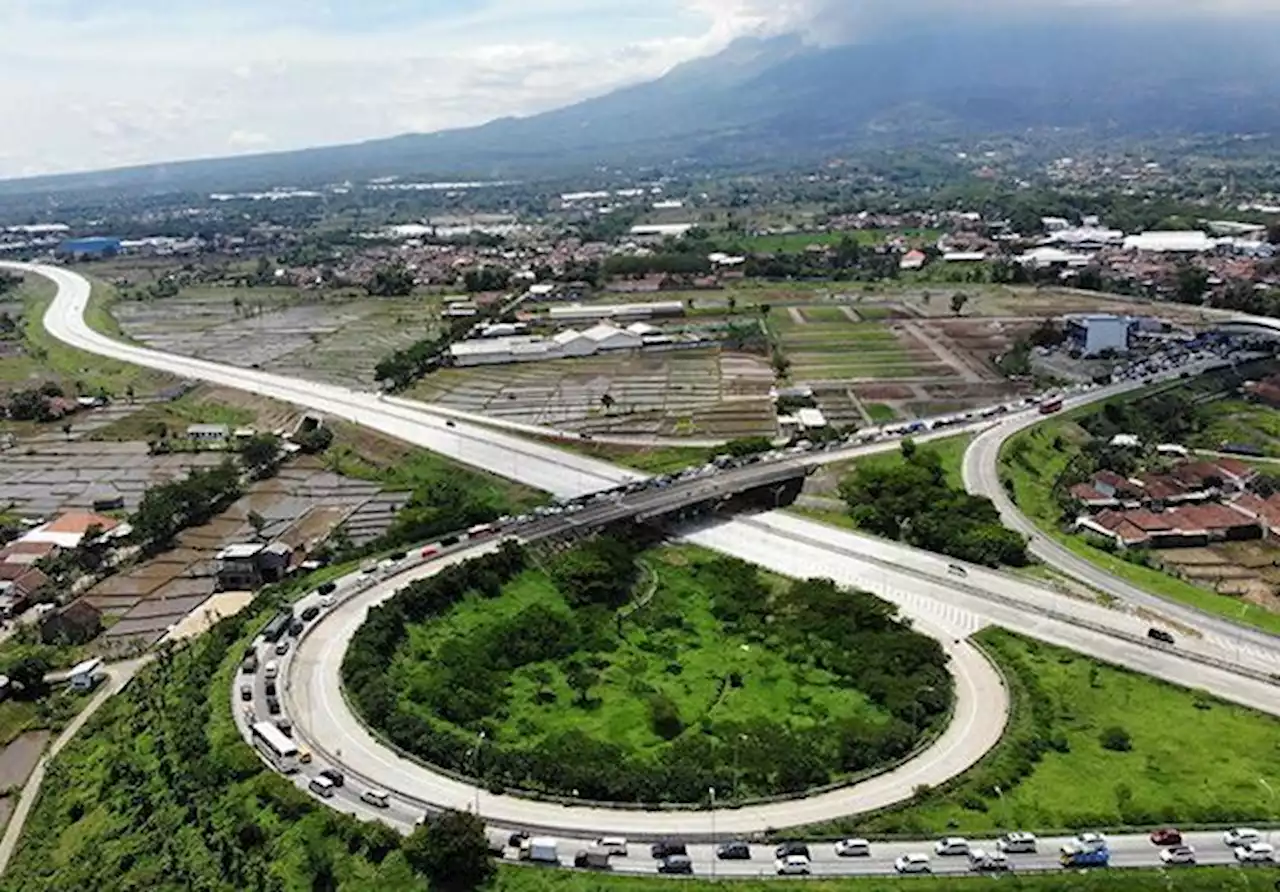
1099 332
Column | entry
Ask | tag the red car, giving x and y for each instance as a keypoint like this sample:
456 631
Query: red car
1166 837
430 551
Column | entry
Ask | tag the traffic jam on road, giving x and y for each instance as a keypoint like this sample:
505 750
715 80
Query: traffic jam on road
259 701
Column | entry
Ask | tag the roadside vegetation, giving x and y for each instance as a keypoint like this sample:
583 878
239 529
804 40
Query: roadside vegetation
915 501
1093 745
646 681
1039 466
159 791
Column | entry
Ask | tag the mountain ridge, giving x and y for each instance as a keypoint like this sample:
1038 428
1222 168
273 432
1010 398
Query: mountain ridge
772 100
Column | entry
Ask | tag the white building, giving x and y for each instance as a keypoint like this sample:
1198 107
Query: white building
1043 258
661 230
964 257
593 312
573 343
1086 237
607 337
1190 241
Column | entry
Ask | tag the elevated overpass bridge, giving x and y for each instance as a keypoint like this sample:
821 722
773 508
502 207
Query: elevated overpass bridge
764 486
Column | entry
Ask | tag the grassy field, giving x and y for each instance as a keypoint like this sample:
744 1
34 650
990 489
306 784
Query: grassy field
1032 478
45 358
1236 421
1182 880
1062 704
880 413
831 350
675 646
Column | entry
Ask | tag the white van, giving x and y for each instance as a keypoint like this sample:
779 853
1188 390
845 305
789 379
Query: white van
271 670
322 787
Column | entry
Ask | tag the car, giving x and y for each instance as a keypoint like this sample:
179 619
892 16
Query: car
285 726
397 556
1166 836
1241 836
1087 842
282 648
1178 855
326 588
310 613
1256 853
792 866
295 628
376 798
321 786
675 864
273 706
451 424
1160 635
988 862
335 776
951 845
913 862
734 851
304 755
1017 843
956 570
326 601
614 845
429 551
270 688
853 848
788 849
667 847
246 692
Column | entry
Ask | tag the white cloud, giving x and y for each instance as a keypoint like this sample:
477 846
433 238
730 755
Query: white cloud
140 80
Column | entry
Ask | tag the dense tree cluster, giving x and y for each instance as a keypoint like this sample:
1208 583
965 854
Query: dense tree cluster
912 502
1171 416
486 278
394 280
852 635
168 508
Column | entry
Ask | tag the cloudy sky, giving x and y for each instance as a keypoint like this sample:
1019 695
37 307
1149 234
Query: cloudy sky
89 86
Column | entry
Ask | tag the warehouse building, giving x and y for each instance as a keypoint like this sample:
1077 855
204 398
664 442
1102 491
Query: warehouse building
595 312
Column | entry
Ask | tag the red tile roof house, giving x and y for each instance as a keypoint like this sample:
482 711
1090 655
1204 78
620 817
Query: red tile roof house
1267 511
1186 526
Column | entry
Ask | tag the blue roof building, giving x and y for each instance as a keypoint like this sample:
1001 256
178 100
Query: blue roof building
92 246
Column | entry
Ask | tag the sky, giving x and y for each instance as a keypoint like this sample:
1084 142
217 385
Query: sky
96 85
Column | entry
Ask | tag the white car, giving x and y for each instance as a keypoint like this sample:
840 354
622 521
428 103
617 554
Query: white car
1016 843
613 845
376 798
326 601
793 866
1087 842
1241 836
951 845
1178 855
853 848
1256 853
916 862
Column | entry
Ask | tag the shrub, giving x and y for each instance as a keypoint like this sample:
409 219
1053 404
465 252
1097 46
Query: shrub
1116 739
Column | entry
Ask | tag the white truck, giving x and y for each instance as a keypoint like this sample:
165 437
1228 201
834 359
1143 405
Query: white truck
542 850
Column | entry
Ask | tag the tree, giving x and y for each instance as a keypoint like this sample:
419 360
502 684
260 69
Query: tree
129 393
28 675
395 280
958 302
765 310
732 304
608 402
260 453
66 429
1190 284
451 852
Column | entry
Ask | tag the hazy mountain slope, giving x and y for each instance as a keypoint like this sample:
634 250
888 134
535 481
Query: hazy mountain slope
777 98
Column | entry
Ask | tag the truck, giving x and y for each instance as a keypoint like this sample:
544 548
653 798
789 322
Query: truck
542 850
277 627
1080 857
1050 404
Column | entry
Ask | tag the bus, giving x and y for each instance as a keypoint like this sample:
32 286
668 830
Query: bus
279 749
1051 404
276 628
